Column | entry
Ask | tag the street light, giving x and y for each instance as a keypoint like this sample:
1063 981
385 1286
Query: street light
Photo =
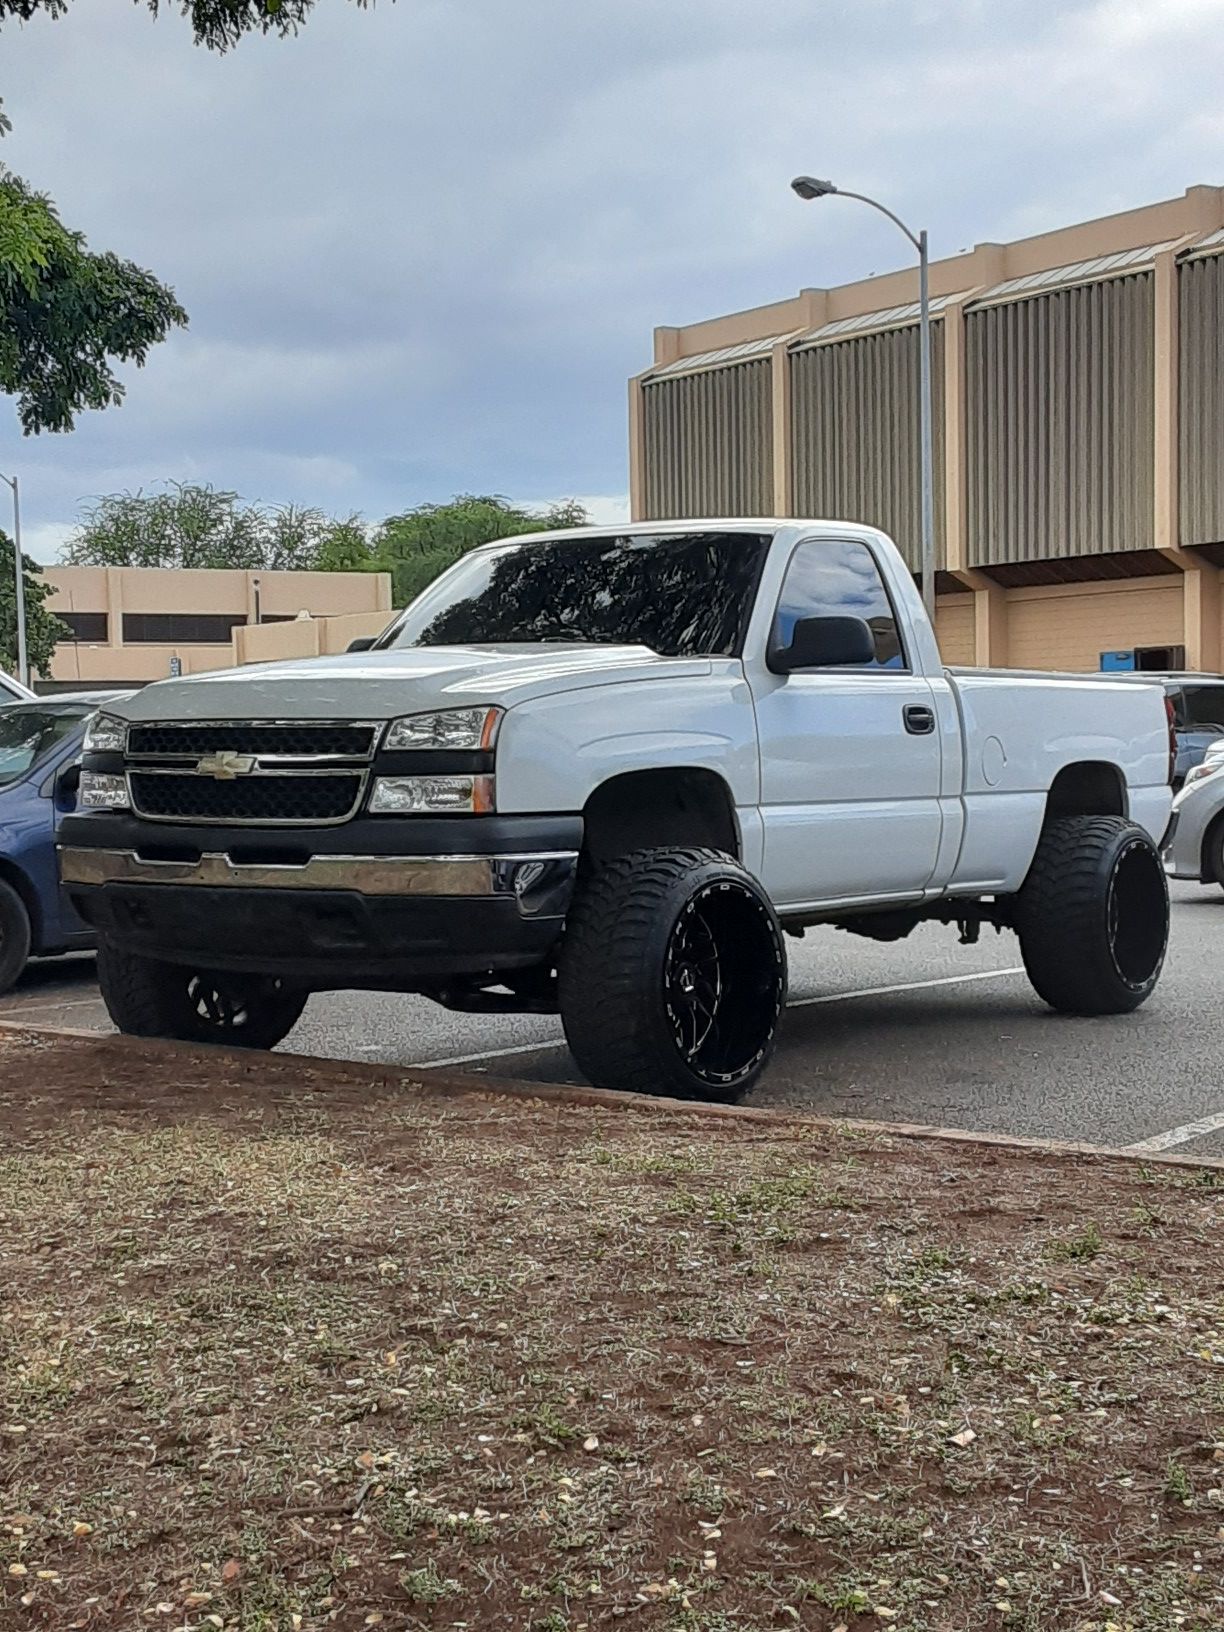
22 666
811 187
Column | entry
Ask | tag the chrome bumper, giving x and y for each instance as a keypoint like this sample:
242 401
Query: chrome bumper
540 883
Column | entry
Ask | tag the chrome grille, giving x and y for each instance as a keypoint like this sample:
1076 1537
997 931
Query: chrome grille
274 800
288 739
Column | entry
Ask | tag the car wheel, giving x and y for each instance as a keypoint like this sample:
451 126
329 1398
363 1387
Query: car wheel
1093 915
149 999
673 975
15 937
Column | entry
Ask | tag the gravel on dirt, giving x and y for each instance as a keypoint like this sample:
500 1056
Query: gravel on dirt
288 1345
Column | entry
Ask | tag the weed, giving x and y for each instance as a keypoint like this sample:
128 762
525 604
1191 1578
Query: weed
1076 1249
427 1585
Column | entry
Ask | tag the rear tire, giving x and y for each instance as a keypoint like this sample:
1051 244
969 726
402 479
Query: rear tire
1213 855
673 975
149 999
15 937
1093 915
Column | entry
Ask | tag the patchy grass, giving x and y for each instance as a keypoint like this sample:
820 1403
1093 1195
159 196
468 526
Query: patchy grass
286 1347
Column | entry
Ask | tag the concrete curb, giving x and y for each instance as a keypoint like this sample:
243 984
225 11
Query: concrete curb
453 1084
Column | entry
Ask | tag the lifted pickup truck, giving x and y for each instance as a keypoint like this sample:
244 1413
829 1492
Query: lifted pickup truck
603 773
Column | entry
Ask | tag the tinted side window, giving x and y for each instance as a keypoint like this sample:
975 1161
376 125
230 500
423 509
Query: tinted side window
828 578
1201 706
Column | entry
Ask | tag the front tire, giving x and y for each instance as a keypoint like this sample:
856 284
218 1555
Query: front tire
149 999
673 975
1093 915
15 937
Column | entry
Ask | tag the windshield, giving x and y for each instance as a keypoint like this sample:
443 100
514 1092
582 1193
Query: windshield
682 595
30 733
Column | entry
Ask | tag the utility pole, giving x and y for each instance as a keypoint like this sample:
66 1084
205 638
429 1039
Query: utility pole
23 667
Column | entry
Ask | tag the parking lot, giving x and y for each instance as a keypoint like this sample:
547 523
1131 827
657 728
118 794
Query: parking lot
922 1030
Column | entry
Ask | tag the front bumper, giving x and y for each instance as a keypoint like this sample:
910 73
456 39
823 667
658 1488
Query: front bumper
325 917
1183 843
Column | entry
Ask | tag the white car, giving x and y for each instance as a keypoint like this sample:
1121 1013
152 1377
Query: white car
12 691
604 773
1194 844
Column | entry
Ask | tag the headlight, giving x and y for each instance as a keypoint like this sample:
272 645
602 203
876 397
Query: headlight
472 728
105 735
432 795
1209 767
101 791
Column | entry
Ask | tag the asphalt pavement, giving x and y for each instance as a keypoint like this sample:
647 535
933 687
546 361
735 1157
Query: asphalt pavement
922 1030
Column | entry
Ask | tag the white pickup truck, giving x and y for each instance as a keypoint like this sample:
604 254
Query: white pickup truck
605 772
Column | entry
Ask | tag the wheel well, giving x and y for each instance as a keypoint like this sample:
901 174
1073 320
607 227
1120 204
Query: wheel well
646 810
1206 871
13 876
1093 788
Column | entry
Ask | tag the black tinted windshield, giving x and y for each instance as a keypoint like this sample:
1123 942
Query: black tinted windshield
686 595
30 732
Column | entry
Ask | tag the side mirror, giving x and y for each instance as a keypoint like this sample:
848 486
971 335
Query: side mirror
824 643
363 643
68 782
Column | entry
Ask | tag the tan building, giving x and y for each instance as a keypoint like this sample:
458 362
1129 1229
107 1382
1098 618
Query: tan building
1079 432
134 624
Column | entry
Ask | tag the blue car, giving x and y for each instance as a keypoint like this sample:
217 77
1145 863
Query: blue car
40 743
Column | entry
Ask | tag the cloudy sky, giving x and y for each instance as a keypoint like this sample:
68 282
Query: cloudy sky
424 246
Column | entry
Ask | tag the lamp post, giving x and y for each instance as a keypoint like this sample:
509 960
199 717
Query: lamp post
810 187
23 667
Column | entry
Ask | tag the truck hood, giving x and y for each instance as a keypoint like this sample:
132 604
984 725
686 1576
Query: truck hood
384 685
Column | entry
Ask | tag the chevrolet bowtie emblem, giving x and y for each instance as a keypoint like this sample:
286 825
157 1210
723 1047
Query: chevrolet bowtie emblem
224 767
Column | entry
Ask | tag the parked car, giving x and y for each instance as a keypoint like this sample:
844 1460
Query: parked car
12 691
1197 704
1194 844
40 745
600 774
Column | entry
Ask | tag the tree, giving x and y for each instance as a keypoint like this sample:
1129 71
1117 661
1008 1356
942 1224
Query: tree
198 525
419 544
43 628
66 314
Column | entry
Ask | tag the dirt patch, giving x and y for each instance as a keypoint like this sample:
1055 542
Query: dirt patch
286 1346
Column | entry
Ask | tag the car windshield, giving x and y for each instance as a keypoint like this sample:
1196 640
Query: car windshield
32 731
682 595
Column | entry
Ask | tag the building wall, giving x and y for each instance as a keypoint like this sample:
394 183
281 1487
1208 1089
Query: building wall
1201 399
1069 627
139 619
1079 429
954 618
1059 403
304 637
709 440
854 433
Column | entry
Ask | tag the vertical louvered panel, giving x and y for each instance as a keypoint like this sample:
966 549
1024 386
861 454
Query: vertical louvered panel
855 434
1201 400
709 443
1059 402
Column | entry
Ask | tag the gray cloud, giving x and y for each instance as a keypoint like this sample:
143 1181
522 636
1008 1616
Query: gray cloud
422 247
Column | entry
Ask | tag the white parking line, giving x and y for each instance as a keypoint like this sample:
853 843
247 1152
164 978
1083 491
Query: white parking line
1178 1136
907 986
796 1003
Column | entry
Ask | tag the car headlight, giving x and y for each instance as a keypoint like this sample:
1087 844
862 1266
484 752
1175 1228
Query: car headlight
105 735
471 728
1208 767
432 795
100 790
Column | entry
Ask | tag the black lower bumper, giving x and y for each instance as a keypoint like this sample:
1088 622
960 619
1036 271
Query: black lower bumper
381 905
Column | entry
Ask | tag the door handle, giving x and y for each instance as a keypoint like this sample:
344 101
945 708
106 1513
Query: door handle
919 720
